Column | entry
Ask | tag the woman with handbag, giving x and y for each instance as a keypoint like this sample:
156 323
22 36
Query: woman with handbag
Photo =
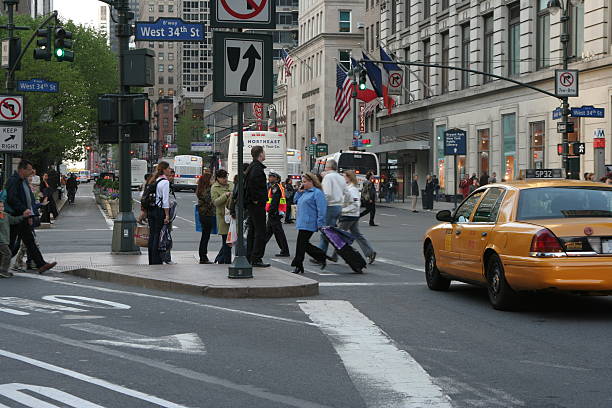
206 211
47 192
220 192
156 201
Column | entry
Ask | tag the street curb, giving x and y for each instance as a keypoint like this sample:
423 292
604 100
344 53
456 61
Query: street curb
217 291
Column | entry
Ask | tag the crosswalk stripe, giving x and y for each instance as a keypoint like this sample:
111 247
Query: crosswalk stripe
400 264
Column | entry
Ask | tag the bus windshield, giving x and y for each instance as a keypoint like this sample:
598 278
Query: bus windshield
361 163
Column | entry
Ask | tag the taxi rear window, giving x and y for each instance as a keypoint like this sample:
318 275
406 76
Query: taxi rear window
564 202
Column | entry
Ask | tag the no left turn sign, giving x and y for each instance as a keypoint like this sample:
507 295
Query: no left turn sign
243 13
566 82
11 108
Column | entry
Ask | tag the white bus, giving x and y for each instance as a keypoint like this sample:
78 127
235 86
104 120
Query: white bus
139 170
294 164
84 176
359 162
274 144
188 169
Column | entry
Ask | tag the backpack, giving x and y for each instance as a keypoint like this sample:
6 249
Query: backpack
365 192
149 196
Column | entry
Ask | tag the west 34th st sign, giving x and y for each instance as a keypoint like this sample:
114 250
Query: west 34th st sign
169 29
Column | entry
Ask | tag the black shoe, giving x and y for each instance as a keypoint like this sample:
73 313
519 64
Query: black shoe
205 261
373 225
298 269
282 255
332 258
371 258
260 264
314 261
323 264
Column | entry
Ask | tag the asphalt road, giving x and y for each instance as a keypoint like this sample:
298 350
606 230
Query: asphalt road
380 339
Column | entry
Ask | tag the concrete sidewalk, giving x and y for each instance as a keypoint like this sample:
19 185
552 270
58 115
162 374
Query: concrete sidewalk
187 276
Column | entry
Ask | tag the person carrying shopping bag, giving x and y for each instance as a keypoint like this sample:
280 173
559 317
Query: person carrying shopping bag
156 205
220 192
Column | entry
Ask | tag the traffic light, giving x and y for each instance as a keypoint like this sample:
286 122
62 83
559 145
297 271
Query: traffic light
166 146
43 42
88 148
207 135
366 142
362 80
63 45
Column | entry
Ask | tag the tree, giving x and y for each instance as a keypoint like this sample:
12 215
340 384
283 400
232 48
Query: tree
58 125
188 130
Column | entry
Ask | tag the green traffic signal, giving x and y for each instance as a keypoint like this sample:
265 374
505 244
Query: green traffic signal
63 45
362 80
59 53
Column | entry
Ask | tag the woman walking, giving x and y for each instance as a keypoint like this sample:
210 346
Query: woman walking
349 220
312 208
158 212
206 210
220 192
47 192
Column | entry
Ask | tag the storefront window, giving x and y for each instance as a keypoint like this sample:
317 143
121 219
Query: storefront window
509 137
537 137
484 143
440 153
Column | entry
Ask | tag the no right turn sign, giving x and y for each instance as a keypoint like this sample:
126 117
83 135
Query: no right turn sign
566 82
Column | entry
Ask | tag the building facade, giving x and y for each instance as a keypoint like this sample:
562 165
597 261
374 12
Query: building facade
34 8
509 127
329 33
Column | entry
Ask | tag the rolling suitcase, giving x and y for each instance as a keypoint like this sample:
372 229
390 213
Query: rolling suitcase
341 241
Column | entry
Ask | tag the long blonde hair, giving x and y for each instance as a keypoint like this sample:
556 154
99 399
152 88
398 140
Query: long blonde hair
315 180
350 174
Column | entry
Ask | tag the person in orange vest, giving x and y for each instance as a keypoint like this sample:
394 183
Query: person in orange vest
276 207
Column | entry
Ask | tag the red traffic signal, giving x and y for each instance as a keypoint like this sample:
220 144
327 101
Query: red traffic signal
166 146
87 148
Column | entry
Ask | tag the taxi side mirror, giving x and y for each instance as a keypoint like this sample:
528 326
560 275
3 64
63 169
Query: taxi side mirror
444 216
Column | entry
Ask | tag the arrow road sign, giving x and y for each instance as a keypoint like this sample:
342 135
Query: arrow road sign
242 67
11 108
11 139
169 29
243 13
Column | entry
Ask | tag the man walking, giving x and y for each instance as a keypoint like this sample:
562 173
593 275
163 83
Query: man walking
19 199
368 197
289 193
276 207
72 185
255 198
415 193
334 188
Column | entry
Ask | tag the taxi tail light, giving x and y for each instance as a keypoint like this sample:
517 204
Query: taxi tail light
544 241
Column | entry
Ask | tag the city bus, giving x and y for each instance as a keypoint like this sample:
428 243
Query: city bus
359 162
294 164
188 169
274 144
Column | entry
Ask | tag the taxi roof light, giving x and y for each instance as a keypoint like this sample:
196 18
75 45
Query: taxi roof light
545 242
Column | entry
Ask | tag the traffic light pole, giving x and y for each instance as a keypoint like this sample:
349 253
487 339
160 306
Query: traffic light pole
565 108
125 223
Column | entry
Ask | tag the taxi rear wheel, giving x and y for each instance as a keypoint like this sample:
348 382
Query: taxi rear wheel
501 295
435 281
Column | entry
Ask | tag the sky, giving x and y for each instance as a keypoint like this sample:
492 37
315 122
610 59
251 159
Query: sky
80 11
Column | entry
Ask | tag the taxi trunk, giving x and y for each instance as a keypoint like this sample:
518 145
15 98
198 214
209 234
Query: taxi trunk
581 236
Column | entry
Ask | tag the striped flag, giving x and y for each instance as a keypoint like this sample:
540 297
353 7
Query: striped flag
344 90
287 62
371 107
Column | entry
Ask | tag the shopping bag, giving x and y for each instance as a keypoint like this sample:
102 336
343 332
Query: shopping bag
198 223
165 239
213 225
141 236
232 234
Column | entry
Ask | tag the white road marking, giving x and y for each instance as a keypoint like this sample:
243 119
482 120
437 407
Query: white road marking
14 392
388 215
86 302
566 367
70 230
36 306
13 311
401 264
109 222
60 281
92 380
385 376
331 284
187 343
305 269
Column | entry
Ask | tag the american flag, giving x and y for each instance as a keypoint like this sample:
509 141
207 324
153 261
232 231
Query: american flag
287 62
344 90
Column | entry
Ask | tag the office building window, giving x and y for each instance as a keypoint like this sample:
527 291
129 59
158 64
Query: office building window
151 91
160 80
160 56
160 8
375 45
170 80
407 13
426 9
345 59
151 8
543 35
160 67
345 21
484 146
393 16
509 144
444 5
445 59
576 31
537 137
407 74
488 46
170 67
514 39
160 92
465 55
426 70
170 56
170 8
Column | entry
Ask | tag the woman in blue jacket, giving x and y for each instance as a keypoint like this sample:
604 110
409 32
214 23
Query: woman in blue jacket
311 208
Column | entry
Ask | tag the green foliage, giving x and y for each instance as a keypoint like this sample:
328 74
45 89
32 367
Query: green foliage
188 130
58 125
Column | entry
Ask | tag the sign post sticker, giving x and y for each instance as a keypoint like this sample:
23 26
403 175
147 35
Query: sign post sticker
455 142
11 108
11 138
6 49
169 29
396 79
243 13
566 82
242 67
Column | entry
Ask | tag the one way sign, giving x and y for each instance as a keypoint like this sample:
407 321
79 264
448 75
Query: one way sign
242 67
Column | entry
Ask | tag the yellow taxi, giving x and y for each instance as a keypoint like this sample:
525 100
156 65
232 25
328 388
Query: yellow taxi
536 234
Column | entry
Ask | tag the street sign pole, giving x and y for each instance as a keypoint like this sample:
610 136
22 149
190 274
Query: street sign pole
125 223
456 181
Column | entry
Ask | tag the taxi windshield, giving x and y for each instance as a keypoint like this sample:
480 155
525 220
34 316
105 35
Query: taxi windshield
564 202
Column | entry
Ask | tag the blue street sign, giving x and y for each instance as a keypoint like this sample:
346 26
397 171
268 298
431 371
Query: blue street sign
37 85
455 142
557 114
588 112
169 29
356 134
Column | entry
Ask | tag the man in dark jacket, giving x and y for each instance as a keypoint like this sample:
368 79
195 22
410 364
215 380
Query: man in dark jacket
415 192
276 207
19 199
255 198
72 185
368 198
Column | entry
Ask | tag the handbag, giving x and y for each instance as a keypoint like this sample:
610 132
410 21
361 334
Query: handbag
231 234
141 236
198 222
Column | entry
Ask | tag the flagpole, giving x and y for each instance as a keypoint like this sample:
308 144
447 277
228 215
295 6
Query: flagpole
354 101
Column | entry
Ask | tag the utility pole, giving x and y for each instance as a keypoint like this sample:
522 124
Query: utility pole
565 108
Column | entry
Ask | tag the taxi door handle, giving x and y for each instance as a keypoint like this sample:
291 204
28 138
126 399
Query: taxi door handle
458 232
484 234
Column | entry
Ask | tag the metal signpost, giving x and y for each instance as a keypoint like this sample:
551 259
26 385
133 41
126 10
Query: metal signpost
242 73
455 144
37 85
169 29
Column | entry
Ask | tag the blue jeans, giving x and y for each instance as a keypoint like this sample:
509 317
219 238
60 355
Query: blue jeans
331 220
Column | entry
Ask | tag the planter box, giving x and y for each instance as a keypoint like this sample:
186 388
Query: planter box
114 205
